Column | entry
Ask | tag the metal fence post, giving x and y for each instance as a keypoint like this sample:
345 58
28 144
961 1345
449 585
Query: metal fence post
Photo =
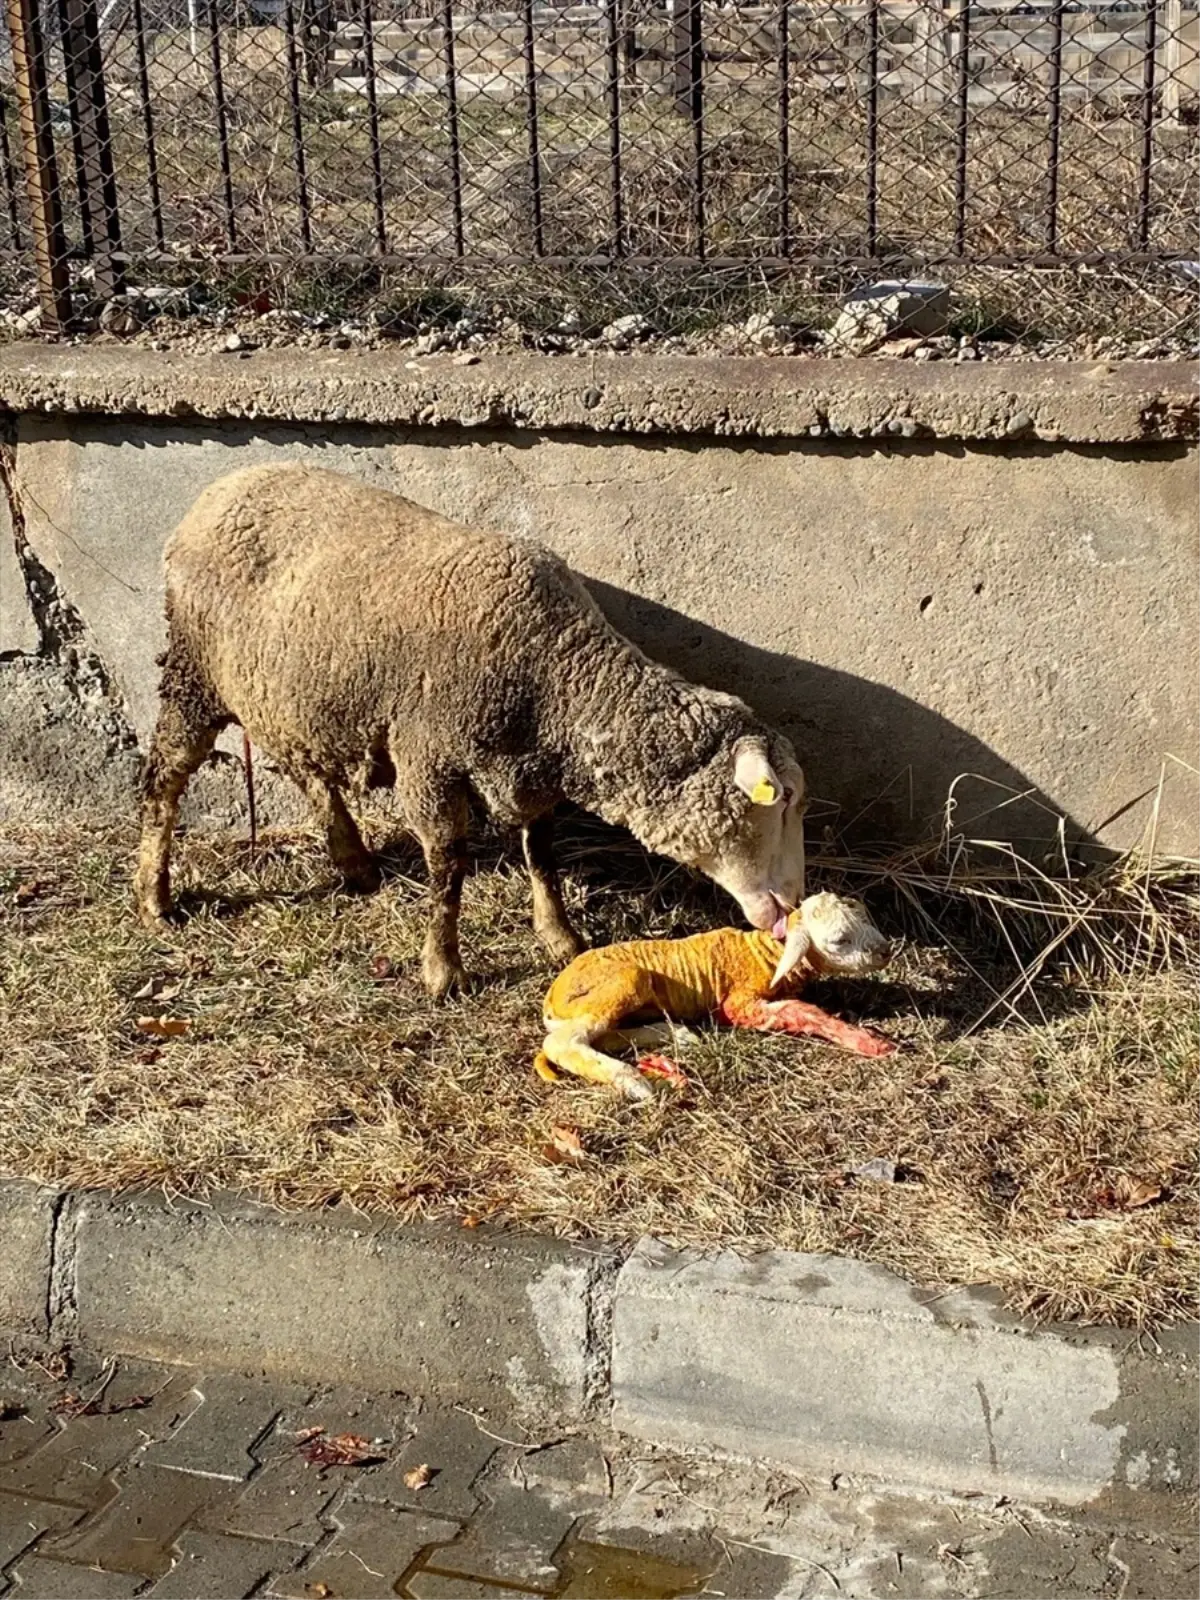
41 172
93 141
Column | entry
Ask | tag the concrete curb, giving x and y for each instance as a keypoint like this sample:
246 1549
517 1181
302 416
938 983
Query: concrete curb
820 1362
748 397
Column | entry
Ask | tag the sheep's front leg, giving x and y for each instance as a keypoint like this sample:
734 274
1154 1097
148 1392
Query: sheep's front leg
798 1017
550 921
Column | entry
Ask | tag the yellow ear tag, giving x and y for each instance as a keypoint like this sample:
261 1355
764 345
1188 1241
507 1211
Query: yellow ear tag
763 793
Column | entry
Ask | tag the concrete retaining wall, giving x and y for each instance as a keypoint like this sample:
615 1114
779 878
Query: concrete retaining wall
919 572
821 1362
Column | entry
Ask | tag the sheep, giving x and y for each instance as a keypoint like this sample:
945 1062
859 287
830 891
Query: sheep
728 974
362 640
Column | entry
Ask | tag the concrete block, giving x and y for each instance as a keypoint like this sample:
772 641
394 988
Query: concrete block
214 1566
26 1229
492 1322
18 630
39 1579
373 1548
837 1366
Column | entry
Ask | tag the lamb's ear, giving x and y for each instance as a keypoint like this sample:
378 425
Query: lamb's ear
754 774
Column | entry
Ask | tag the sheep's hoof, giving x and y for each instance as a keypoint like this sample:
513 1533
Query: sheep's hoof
562 944
443 977
363 877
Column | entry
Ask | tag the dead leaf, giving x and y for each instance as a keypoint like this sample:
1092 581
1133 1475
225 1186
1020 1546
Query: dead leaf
319 1591
1128 1194
305 1434
565 1146
419 1477
381 969
148 1056
341 1450
471 1221
662 1067
164 1027
25 893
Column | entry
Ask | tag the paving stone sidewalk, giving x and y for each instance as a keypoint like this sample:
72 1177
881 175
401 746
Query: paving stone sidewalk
132 1479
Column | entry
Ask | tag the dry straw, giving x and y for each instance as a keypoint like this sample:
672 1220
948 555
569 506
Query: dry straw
1040 1118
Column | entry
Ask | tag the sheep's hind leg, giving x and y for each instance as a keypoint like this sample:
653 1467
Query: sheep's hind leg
550 921
444 842
189 720
347 851
569 1045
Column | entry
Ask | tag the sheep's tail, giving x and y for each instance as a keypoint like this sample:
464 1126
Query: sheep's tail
248 768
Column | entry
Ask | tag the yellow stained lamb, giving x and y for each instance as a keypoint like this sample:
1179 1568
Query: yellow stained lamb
745 979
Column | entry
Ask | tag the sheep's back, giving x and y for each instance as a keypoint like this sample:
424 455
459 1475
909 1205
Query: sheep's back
316 601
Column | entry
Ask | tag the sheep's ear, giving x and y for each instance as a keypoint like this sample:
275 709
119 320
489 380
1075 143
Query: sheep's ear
754 774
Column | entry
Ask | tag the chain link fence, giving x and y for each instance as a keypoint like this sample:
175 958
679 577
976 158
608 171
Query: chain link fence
681 169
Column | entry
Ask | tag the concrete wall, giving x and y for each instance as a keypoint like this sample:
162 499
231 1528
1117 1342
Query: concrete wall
946 573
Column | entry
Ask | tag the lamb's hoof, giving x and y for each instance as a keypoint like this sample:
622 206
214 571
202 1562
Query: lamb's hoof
363 877
443 978
632 1086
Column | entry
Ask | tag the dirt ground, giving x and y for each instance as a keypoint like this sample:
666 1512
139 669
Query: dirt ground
1036 1130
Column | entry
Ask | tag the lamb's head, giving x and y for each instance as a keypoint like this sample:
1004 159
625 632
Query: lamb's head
833 937
754 848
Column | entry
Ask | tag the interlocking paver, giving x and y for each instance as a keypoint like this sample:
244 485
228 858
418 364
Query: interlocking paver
285 1501
75 1462
441 1586
24 1521
512 1540
39 1579
455 1449
575 1468
374 1547
216 1439
136 1531
217 1566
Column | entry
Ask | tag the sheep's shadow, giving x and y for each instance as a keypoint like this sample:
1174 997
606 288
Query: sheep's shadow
881 766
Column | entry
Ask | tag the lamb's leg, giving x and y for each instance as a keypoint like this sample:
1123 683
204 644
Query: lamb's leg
187 728
798 1017
550 921
444 841
568 1045
346 848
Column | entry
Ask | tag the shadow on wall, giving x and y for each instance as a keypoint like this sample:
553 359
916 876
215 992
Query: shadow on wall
879 766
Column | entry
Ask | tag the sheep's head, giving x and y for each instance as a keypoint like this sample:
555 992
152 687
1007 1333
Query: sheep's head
758 856
833 937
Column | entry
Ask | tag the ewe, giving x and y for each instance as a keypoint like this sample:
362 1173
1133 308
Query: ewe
364 641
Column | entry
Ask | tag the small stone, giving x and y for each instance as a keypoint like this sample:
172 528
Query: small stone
1020 422
233 341
339 342
118 317
569 322
467 358
875 312
626 330
769 330
591 398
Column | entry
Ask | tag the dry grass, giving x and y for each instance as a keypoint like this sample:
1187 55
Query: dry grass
1050 1028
